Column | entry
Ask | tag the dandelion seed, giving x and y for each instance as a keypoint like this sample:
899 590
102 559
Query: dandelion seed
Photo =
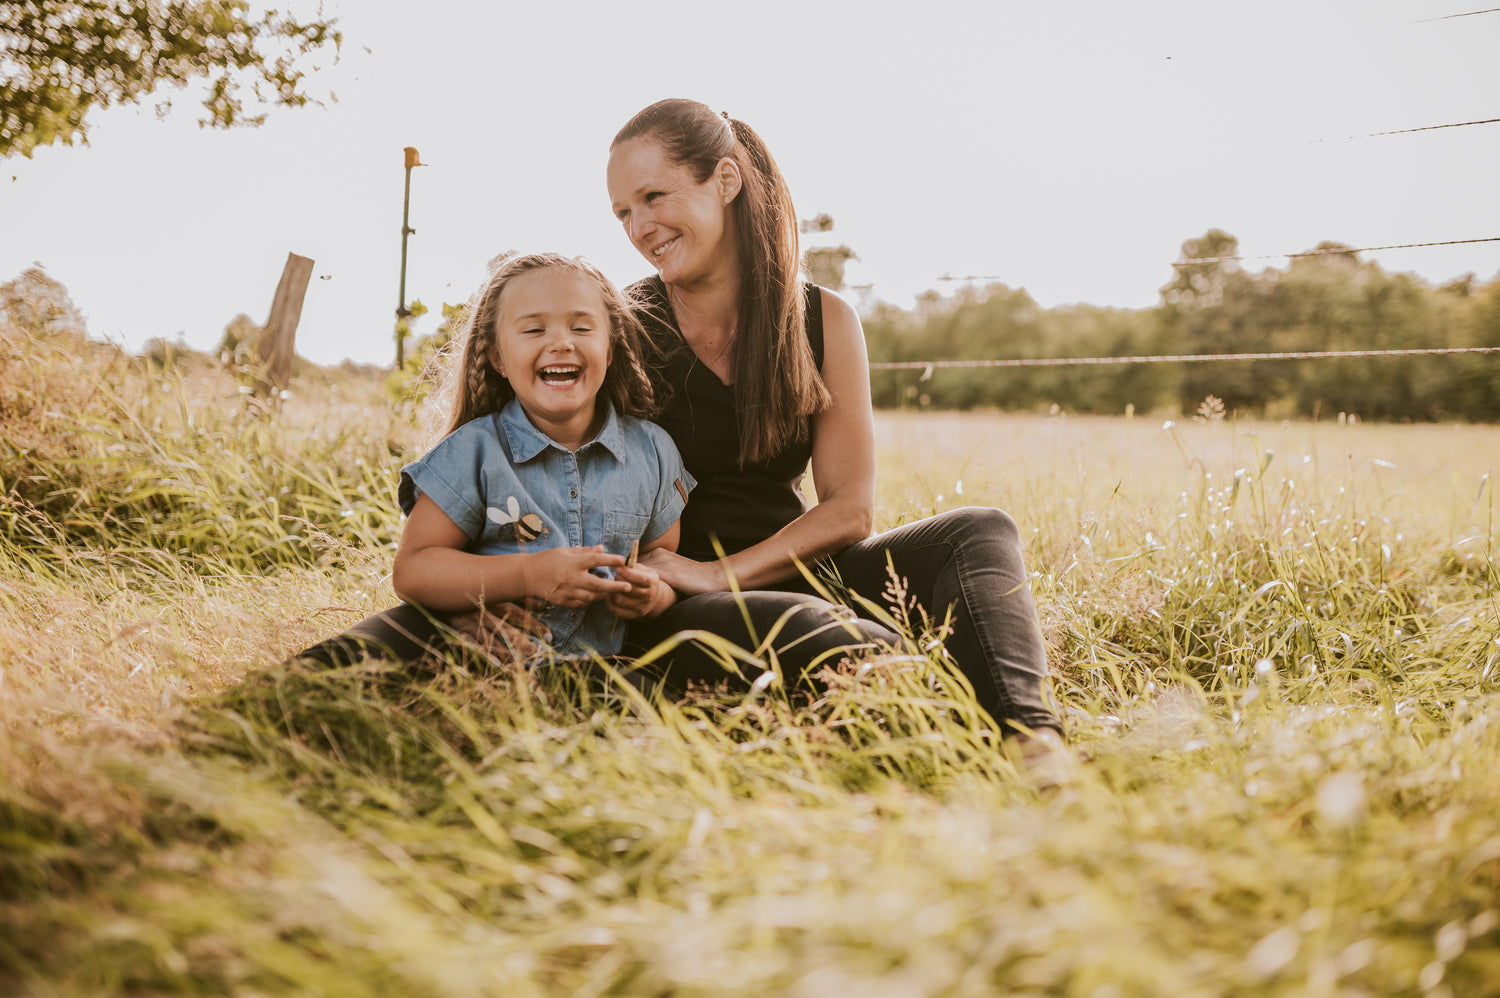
1450 941
1355 957
1168 425
703 821
1264 668
1273 952
958 487
1340 799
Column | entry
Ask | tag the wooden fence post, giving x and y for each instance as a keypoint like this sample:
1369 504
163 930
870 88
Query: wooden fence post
279 338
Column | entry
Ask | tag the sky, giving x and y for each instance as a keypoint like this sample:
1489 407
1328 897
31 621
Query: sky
1068 149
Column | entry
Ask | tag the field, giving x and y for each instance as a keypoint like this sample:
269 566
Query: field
1276 648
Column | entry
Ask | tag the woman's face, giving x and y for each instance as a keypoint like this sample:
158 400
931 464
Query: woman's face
680 225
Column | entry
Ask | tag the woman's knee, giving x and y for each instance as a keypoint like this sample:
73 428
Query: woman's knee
980 521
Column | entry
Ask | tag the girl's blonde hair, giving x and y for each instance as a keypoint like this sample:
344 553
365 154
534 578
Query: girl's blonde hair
473 387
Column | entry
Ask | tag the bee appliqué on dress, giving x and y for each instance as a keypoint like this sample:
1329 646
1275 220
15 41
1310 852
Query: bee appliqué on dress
514 526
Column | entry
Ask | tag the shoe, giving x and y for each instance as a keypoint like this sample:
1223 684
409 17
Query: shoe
1044 758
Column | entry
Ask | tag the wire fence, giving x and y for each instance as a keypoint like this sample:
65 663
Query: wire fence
1333 251
927 367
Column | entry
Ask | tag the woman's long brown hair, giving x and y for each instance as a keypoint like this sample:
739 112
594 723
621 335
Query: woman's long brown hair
777 387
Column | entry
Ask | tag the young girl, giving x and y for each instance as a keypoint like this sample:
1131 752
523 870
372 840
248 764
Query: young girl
548 480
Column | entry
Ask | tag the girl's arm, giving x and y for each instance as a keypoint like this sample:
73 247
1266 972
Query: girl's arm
843 468
433 570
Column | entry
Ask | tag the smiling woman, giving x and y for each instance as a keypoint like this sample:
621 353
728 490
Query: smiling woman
763 376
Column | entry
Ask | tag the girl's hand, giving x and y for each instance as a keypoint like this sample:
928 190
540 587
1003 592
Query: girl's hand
649 596
685 575
503 631
563 576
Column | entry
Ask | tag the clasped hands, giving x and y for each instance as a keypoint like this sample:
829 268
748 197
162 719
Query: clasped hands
565 577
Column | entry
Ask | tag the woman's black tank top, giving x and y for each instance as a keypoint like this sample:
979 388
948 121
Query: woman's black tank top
739 506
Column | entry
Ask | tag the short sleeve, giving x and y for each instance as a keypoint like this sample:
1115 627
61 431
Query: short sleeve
673 484
453 475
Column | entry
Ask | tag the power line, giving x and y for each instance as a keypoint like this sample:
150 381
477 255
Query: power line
1332 252
928 366
1408 131
1449 17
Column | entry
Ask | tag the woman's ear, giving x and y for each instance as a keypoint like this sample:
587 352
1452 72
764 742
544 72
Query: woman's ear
728 175
493 353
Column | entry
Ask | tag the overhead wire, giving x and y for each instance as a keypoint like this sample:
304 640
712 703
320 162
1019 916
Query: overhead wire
1449 17
1408 131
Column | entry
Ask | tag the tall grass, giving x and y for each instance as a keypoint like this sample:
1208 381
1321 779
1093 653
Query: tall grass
1275 646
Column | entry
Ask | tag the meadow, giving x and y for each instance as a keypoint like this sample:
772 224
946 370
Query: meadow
1276 650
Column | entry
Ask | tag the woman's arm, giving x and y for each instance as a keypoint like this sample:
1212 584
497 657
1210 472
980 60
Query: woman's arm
433 570
843 468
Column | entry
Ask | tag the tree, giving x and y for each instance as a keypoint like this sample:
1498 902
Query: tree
64 59
824 264
1202 284
38 305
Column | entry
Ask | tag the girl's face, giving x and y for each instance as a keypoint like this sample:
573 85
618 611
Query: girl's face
681 226
552 343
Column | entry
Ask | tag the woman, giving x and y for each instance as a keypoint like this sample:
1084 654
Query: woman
765 375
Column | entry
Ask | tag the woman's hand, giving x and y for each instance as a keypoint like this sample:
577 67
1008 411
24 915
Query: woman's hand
564 576
649 596
503 631
686 576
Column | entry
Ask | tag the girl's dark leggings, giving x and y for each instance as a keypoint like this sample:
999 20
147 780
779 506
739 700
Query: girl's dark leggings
966 561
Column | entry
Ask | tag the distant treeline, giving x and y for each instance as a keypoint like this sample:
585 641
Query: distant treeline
1328 301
